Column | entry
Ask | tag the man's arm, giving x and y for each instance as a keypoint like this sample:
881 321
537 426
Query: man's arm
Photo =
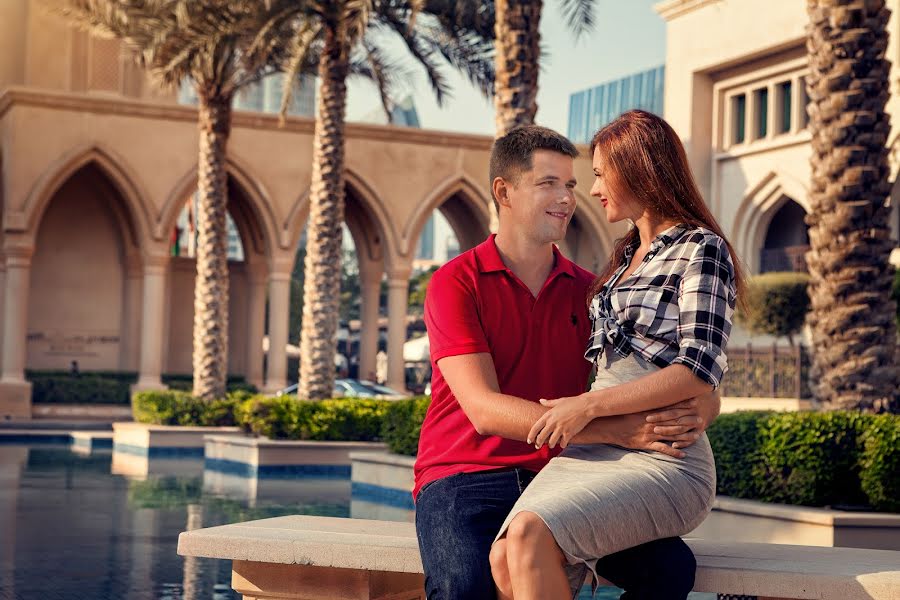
473 380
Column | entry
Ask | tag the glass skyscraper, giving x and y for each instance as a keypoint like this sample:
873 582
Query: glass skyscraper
591 109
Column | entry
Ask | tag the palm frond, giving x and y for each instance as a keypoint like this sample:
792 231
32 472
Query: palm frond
298 55
579 15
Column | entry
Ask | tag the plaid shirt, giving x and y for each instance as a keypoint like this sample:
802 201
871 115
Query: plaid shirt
676 308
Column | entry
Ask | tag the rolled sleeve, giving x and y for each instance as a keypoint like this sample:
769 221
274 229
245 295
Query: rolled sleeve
706 301
451 317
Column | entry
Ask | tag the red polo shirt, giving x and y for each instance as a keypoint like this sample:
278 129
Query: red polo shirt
475 304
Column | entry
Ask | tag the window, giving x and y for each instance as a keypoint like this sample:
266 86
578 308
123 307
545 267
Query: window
783 100
738 116
804 101
761 106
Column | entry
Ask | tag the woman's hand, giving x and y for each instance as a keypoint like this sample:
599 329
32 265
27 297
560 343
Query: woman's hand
565 419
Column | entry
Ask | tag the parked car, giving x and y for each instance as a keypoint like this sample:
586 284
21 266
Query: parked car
383 391
353 388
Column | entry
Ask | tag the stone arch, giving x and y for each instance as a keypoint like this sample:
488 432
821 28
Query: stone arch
134 208
758 207
462 202
364 211
253 215
87 249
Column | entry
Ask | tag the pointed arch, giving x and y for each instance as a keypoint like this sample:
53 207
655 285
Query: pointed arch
135 210
367 211
254 219
755 212
475 205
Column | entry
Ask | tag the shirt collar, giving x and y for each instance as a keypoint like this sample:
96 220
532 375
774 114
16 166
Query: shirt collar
661 241
489 259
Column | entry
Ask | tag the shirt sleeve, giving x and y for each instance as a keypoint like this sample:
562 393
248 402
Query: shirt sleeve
706 301
451 317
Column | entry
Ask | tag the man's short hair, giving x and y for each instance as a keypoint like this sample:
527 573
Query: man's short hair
512 154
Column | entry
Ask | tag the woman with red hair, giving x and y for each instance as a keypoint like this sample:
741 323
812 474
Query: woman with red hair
661 316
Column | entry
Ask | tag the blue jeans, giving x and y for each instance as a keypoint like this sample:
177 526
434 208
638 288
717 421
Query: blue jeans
458 516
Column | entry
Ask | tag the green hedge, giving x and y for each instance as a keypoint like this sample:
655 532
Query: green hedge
286 417
103 387
735 441
816 459
880 462
176 407
95 387
403 423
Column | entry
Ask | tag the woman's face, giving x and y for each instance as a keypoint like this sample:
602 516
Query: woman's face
618 205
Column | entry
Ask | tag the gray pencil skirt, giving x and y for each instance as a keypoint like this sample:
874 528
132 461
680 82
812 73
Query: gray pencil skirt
599 499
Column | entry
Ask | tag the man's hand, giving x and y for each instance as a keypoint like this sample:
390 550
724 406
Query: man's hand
709 406
666 430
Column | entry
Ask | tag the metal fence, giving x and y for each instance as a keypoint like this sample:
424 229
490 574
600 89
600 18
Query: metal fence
773 372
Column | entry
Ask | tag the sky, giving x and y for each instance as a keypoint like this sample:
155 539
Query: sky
628 37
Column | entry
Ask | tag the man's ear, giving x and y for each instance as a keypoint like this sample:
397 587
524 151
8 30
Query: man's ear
500 187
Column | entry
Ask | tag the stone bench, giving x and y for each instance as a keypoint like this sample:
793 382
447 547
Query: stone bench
302 557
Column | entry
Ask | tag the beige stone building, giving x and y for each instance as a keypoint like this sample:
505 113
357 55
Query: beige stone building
96 168
734 91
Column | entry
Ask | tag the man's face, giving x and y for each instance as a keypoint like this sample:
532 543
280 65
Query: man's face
540 203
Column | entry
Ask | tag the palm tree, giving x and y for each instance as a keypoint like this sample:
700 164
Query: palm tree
851 316
518 49
206 42
347 37
518 43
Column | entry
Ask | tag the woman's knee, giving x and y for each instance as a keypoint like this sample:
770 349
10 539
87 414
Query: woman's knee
528 536
499 564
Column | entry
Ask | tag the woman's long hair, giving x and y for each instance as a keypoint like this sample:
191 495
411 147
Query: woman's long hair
645 158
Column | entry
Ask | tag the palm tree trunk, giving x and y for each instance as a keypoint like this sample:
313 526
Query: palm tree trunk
322 284
852 315
518 48
210 356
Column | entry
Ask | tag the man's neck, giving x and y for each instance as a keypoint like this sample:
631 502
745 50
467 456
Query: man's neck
529 261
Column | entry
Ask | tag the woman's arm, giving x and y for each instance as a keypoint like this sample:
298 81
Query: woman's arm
662 388
706 301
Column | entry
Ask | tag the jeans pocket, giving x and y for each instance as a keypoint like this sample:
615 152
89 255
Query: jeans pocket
431 483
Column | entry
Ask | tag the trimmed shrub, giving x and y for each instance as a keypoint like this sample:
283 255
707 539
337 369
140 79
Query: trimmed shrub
349 420
164 407
777 304
811 458
95 387
735 439
286 418
403 424
104 387
175 407
276 418
880 462
816 459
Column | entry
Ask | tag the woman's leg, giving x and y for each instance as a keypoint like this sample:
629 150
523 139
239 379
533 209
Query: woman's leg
500 570
536 564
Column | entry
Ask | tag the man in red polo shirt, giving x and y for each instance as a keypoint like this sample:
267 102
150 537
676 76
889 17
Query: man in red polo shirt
508 325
